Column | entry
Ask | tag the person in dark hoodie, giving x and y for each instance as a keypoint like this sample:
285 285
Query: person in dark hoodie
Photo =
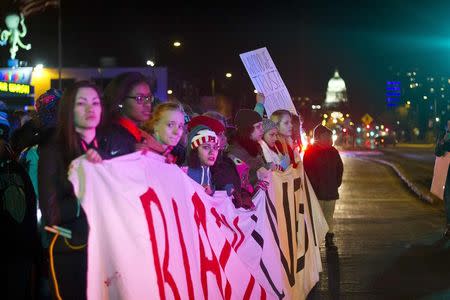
18 222
324 168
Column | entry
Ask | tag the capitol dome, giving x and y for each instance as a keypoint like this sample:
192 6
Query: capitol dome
336 90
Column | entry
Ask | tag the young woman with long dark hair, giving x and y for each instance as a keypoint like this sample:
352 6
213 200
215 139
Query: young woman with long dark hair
79 115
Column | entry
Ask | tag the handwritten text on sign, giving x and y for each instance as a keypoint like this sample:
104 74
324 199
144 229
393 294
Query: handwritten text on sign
267 80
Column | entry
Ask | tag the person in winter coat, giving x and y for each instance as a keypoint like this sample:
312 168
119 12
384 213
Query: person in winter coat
18 222
224 174
285 143
246 153
128 105
324 168
79 115
203 148
166 127
269 147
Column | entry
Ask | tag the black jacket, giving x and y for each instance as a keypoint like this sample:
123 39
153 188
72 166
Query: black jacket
324 169
57 200
18 213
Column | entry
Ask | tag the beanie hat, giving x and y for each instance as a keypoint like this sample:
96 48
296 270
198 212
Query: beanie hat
213 124
268 125
200 135
320 129
246 118
4 125
46 106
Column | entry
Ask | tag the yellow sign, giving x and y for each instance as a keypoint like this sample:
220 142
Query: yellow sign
15 88
367 119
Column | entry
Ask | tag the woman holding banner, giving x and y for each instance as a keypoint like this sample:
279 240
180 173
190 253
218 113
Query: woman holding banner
80 112
166 127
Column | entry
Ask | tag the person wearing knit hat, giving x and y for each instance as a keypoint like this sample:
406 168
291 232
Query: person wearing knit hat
324 167
203 148
268 145
245 119
246 153
213 124
47 106
320 130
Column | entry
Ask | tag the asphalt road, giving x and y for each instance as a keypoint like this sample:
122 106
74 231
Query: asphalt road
388 241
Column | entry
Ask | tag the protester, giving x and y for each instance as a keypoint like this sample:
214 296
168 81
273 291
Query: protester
268 145
35 132
224 174
166 127
324 168
79 115
285 143
441 149
246 153
203 148
18 221
128 104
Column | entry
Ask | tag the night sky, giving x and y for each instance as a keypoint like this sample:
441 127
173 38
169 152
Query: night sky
306 39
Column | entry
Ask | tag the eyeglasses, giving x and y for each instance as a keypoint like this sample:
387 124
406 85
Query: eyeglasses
143 99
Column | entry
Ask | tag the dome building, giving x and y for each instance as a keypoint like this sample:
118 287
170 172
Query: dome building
336 91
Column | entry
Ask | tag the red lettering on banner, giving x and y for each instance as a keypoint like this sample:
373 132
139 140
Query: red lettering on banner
187 268
216 215
147 199
249 289
235 223
263 293
210 265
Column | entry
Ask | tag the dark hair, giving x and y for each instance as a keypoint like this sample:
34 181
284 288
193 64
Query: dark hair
66 136
192 160
117 91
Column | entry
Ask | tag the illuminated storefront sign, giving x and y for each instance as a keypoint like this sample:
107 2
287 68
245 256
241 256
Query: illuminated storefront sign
15 88
17 75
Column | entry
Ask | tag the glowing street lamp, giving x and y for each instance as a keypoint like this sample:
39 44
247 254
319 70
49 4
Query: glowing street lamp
150 63
169 92
37 70
228 75
176 44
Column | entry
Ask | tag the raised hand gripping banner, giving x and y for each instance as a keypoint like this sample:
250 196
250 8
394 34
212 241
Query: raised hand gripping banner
155 234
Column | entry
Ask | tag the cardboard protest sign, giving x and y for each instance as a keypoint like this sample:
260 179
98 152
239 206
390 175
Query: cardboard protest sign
267 80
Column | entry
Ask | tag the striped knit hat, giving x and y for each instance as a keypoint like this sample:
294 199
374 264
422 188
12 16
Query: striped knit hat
200 135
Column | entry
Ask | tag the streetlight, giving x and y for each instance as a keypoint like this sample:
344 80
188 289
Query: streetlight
37 70
169 92
176 44
150 63
228 75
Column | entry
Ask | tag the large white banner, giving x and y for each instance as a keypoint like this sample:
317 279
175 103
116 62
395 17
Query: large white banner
266 79
158 235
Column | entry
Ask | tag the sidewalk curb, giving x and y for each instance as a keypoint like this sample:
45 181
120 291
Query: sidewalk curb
422 196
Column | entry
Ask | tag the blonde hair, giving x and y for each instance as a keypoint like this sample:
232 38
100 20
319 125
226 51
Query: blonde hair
278 115
157 113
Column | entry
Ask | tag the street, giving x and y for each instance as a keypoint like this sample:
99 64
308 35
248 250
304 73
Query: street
387 240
